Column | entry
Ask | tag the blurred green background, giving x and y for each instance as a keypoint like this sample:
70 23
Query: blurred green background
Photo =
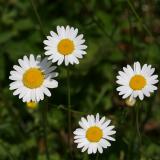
117 32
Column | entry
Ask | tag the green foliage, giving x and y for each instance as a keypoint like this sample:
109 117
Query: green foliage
115 37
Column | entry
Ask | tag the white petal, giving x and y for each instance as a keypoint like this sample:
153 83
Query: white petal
51 83
85 147
104 143
104 125
109 138
100 149
46 92
79 131
15 85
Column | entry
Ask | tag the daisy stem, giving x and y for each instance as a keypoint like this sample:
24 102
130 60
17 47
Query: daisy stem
137 142
44 125
145 27
69 111
37 16
137 122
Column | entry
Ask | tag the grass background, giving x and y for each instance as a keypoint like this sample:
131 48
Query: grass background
117 32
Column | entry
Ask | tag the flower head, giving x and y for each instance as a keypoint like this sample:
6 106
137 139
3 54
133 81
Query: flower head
130 102
65 45
94 134
33 78
137 81
32 105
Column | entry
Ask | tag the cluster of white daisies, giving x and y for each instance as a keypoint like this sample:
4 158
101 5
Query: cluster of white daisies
33 78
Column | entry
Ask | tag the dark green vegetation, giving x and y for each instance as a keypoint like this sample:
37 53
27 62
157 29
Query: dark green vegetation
117 32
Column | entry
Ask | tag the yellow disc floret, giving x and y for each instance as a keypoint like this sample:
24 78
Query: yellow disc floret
94 134
65 46
33 78
137 82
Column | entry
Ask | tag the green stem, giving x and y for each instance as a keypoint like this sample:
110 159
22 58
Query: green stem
131 53
37 16
69 111
98 22
44 125
139 18
137 122
138 145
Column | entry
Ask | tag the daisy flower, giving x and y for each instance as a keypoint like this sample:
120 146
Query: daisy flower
65 45
94 134
137 81
32 78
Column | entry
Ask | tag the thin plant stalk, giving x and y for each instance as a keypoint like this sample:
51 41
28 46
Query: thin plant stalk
43 113
139 18
37 17
137 122
137 108
69 111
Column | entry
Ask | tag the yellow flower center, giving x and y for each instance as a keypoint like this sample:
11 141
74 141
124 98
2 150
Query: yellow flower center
94 134
65 46
33 78
137 82
32 105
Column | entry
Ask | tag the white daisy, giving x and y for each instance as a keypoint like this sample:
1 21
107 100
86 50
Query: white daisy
94 134
65 45
33 78
137 81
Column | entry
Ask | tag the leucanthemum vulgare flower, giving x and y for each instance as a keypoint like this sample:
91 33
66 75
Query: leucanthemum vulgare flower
94 134
137 81
65 45
33 78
